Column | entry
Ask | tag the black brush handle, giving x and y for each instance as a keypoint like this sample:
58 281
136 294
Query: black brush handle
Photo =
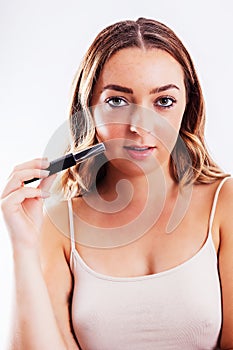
57 165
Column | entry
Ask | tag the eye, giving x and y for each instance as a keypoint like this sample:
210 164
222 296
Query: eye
165 102
116 101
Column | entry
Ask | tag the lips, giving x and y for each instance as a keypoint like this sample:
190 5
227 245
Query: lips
137 148
139 152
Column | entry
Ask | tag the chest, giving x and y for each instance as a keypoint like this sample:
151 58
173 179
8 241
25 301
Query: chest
154 252
133 251
147 310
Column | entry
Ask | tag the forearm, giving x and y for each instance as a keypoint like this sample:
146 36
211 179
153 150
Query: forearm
34 323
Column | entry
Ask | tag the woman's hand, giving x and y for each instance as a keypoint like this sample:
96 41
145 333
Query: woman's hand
22 206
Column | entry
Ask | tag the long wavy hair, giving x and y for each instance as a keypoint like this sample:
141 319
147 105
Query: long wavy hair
147 34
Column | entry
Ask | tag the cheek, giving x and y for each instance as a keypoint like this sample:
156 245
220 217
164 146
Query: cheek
167 130
110 132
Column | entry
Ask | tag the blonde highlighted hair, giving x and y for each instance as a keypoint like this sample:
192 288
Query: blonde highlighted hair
192 165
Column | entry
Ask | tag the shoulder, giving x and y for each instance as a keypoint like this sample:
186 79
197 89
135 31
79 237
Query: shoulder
227 188
222 191
225 204
56 215
224 213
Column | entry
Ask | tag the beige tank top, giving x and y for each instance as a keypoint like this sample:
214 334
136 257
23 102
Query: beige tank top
177 309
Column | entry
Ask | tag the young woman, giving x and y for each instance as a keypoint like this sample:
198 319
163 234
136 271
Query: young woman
139 254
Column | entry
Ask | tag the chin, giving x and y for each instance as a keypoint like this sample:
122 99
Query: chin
133 168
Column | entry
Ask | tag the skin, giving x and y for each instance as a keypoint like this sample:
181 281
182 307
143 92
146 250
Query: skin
140 71
154 111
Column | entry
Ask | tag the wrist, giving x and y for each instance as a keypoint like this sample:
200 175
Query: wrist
22 251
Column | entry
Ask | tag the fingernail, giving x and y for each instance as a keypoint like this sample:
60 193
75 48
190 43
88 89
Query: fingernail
44 173
45 163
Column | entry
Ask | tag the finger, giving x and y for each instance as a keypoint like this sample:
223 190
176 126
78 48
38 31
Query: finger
47 182
37 163
18 177
13 201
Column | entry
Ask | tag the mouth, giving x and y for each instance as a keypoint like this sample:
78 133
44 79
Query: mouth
139 152
139 148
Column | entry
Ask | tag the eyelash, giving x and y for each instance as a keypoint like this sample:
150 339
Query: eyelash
167 98
119 98
110 99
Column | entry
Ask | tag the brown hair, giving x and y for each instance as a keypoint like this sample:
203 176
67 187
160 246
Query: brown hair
146 34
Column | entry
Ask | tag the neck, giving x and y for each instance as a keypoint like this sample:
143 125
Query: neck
156 183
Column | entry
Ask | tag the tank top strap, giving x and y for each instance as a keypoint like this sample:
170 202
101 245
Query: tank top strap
71 223
213 209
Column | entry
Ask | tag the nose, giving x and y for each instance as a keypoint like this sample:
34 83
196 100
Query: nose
135 129
142 121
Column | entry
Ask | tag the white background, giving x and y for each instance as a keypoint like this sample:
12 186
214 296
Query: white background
41 45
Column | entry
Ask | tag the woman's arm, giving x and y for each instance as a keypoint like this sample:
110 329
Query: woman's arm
34 325
55 253
226 263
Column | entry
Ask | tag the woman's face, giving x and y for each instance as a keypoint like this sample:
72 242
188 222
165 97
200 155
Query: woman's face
138 104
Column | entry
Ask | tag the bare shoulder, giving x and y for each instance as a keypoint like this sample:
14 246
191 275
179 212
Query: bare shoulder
225 204
227 189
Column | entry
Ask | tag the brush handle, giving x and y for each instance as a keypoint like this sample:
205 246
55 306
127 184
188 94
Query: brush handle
57 165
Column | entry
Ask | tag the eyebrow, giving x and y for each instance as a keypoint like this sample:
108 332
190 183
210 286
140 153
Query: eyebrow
117 88
130 91
164 88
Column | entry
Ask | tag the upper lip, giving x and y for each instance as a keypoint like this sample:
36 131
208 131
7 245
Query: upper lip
138 146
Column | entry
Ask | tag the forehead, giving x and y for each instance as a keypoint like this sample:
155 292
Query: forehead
153 66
